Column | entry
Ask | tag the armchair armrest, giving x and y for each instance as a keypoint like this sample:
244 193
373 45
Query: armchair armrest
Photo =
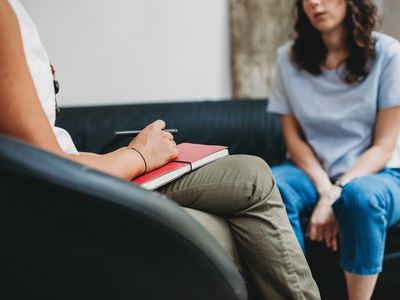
70 232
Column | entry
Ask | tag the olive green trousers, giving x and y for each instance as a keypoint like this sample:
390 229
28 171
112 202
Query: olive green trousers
242 190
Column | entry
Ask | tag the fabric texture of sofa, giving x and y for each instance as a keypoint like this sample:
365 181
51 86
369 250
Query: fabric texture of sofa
246 128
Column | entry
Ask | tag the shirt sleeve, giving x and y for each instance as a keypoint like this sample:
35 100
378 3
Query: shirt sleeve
278 100
389 85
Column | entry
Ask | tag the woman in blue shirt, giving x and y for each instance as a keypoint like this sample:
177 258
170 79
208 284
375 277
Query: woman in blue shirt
337 91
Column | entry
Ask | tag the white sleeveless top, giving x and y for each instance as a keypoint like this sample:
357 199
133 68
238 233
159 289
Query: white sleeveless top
39 66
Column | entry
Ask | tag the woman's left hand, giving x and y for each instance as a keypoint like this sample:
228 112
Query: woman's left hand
323 224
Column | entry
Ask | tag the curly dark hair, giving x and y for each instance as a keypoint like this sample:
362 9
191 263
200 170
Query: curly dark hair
309 51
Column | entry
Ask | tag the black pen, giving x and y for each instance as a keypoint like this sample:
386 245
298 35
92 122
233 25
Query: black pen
132 133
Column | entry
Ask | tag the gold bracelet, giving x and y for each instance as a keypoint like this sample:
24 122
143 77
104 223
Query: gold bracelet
141 155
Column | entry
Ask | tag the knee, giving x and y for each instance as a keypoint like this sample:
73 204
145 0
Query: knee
256 171
263 177
257 190
359 197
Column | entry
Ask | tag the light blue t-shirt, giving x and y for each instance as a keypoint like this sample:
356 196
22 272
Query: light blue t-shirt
338 119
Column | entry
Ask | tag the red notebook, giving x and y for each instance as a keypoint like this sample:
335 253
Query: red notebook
191 157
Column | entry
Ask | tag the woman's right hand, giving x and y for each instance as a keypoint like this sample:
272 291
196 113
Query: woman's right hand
323 224
157 146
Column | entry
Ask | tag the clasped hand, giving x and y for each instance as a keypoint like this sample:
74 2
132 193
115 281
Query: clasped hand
323 224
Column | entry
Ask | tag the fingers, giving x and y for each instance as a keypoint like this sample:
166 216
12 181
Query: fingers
316 229
159 124
157 145
168 136
335 235
324 227
156 130
334 243
331 233
328 237
312 231
175 153
320 233
326 233
331 240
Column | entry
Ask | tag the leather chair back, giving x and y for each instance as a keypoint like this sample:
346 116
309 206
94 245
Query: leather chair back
69 232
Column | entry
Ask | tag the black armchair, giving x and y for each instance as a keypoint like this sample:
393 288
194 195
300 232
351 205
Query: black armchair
69 232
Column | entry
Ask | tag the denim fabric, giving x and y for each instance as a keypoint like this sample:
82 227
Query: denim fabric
368 206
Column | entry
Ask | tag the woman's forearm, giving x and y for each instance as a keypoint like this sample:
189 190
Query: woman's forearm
123 163
373 160
386 134
303 156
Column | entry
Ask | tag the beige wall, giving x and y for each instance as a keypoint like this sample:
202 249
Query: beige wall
123 51
391 18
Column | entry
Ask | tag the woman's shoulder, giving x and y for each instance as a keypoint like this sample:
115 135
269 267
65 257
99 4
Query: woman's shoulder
283 53
386 46
285 49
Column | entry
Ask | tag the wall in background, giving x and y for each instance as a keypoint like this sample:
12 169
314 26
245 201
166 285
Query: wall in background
119 51
391 21
124 51
258 28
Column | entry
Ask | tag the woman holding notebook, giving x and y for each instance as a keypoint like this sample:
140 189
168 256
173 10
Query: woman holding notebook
337 90
237 188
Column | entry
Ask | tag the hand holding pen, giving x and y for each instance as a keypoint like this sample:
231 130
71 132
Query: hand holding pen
154 145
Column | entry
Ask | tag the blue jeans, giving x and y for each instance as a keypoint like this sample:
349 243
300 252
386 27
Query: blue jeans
367 207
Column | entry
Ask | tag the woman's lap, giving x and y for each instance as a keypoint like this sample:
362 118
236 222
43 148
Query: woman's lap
368 206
